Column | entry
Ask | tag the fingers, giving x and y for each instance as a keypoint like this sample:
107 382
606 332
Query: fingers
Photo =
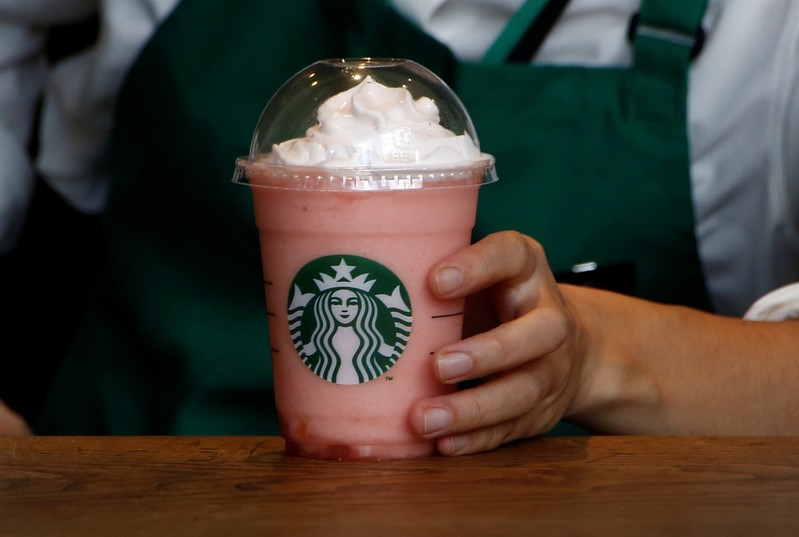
511 270
489 438
511 344
519 404
508 257
11 423
526 399
528 353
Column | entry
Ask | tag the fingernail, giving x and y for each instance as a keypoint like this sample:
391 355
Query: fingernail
452 445
448 280
454 365
436 419
459 443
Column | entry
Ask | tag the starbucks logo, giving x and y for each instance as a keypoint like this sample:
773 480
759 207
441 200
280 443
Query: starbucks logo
349 318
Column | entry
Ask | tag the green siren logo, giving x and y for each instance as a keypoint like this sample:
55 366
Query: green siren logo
349 318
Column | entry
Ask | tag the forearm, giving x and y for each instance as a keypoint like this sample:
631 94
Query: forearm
655 369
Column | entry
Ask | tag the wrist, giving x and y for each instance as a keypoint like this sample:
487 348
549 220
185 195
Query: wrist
614 393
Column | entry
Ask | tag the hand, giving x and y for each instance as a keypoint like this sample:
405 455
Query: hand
11 423
526 347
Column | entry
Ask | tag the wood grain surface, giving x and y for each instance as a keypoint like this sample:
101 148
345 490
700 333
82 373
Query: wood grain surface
592 486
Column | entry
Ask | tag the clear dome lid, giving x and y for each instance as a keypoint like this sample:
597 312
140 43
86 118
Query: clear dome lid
364 124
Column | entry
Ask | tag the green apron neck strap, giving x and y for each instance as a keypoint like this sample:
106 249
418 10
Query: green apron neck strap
666 35
525 31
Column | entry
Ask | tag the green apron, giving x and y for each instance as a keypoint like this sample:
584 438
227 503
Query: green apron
593 163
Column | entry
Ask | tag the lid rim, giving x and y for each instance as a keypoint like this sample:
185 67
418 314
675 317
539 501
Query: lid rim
308 178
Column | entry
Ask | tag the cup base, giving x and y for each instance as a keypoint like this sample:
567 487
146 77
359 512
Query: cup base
359 452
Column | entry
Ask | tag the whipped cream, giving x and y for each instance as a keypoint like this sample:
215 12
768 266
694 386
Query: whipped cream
372 125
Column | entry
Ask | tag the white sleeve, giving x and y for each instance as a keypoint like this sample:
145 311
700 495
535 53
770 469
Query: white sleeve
789 150
779 305
23 72
783 303
79 101
21 79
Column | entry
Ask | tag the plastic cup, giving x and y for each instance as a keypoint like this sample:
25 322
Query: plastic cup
346 254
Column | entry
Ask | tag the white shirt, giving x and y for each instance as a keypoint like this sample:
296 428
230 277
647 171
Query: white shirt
743 113
78 99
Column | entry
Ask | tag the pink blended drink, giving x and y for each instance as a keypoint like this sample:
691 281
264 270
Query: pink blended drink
352 216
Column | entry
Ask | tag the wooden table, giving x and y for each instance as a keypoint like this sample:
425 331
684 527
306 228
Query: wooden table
591 486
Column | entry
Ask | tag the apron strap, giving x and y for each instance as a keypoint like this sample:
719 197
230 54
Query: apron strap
666 35
525 32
